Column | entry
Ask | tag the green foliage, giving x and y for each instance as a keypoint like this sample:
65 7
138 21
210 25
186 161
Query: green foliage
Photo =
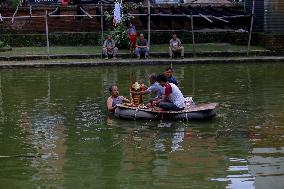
120 36
119 32
3 45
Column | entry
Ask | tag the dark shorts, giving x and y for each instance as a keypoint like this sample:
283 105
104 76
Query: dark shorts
169 106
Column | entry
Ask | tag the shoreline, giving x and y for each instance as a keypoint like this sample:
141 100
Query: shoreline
126 62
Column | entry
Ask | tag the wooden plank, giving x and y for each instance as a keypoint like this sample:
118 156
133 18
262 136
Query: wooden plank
196 108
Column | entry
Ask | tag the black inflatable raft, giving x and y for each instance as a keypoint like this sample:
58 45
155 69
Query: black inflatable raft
194 112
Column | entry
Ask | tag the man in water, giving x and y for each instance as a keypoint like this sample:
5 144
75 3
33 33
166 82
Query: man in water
173 98
109 47
169 75
114 98
175 46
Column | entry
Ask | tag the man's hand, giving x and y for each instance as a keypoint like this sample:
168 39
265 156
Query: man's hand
155 103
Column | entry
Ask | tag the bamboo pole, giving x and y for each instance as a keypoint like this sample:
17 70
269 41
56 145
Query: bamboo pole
1 102
149 24
102 28
205 17
251 27
46 32
161 15
192 34
13 18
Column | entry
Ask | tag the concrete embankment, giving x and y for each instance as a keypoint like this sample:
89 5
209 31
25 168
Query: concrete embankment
127 62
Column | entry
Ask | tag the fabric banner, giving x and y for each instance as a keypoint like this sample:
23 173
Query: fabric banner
168 1
46 2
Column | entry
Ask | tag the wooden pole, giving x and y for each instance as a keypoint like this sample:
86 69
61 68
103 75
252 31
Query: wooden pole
1 102
149 24
102 27
251 27
192 34
46 33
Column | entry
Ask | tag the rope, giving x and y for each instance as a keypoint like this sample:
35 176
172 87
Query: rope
186 117
136 110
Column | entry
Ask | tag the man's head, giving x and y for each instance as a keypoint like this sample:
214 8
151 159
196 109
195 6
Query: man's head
141 36
113 90
109 37
168 72
162 80
174 36
153 78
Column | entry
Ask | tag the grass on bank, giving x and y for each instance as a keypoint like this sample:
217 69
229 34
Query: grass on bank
201 47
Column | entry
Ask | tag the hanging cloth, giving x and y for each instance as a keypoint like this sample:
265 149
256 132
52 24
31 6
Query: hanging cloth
117 13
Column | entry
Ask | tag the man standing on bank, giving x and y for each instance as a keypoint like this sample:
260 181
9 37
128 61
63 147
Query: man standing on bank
175 46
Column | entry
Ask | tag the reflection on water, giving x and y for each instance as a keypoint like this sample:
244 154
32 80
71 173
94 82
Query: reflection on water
55 131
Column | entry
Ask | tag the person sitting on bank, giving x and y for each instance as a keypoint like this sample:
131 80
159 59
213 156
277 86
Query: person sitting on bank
132 34
142 47
109 47
176 47
169 75
173 99
114 98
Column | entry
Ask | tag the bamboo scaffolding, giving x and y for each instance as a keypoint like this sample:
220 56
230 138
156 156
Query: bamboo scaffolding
162 15
49 14
46 33
251 27
192 33
148 14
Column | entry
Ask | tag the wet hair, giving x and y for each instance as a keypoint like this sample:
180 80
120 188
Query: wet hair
161 77
110 88
169 68
153 76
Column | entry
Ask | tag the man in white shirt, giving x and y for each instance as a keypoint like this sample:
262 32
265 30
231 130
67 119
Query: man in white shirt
173 99
176 47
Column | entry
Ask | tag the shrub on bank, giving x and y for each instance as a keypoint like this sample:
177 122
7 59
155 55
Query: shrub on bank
89 39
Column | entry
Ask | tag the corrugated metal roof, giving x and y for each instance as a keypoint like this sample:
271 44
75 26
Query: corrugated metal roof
274 16
211 2
269 15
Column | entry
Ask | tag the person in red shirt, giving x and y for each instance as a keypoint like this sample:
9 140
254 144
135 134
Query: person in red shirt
173 98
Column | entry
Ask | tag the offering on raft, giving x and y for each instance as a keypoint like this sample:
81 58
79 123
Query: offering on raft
136 98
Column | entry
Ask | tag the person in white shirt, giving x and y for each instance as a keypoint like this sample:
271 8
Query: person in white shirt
176 47
173 98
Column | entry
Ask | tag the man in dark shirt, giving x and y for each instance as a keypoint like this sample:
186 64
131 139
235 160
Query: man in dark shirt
142 47
169 74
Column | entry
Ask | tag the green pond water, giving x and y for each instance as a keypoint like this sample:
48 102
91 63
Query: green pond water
55 131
